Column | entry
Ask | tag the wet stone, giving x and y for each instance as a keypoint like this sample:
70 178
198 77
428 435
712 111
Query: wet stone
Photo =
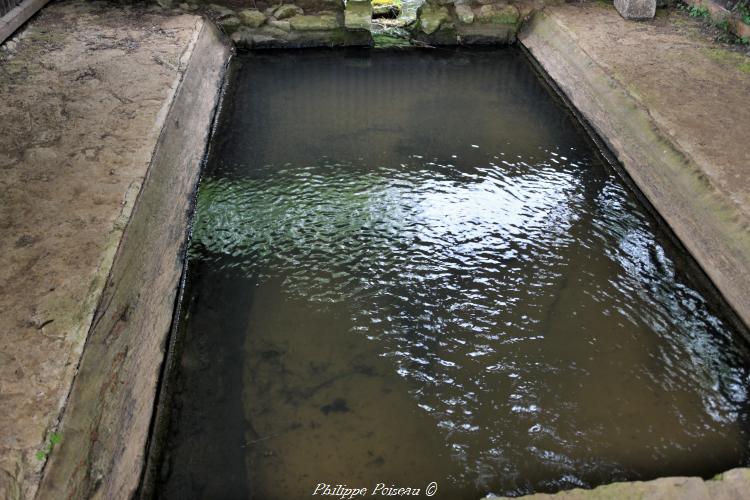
338 405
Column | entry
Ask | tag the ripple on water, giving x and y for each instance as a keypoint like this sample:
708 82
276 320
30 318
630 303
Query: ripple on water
485 306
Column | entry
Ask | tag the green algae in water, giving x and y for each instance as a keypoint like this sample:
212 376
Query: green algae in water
410 267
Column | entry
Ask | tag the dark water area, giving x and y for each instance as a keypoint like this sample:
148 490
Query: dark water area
414 267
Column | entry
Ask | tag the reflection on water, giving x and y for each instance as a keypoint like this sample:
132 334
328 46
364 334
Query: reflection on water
411 267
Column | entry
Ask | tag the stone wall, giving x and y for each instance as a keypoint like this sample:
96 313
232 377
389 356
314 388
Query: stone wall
329 23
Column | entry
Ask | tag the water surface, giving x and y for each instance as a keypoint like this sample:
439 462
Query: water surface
413 267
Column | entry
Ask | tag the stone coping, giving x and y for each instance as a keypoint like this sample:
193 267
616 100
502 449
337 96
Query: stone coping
106 109
731 485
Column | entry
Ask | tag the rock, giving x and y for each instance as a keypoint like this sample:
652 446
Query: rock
220 11
274 31
287 11
167 4
311 6
229 24
252 18
636 9
464 14
358 15
498 14
431 17
386 8
281 25
314 23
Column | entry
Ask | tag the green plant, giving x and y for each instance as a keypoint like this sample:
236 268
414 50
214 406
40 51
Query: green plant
54 439
699 11
726 33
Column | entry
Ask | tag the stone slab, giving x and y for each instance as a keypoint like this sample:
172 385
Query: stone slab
731 485
86 92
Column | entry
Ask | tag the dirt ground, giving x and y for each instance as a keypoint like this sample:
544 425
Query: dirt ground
84 90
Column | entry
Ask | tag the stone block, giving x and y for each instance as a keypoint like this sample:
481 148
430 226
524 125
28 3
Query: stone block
358 15
464 13
636 9
252 18
287 11
498 14
314 23
282 25
229 24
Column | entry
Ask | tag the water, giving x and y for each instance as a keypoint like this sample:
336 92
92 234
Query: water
413 267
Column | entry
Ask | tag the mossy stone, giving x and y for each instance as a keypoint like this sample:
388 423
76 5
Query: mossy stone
286 11
498 14
252 18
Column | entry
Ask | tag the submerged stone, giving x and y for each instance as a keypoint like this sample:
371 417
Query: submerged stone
281 25
636 9
431 17
252 18
386 8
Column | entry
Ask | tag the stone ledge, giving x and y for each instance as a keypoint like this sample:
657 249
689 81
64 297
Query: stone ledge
107 421
731 485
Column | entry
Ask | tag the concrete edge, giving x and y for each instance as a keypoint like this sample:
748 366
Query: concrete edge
106 422
18 15
709 225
